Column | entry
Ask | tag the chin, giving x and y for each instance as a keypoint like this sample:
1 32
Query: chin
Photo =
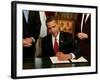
55 34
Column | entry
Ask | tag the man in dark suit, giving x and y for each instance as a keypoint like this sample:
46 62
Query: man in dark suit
31 30
83 33
58 43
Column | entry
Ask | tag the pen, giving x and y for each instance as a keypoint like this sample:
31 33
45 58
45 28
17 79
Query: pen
70 61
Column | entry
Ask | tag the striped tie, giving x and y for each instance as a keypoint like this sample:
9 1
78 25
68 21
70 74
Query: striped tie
56 47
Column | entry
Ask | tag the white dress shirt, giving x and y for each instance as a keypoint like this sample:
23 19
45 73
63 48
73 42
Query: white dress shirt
26 13
53 39
43 30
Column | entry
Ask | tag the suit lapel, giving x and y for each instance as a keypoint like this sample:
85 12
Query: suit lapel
29 17
86 25
60 41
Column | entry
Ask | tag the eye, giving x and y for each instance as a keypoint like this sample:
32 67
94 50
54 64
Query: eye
53 26
49 28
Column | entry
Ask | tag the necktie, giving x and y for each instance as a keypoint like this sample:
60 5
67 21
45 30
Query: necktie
56 47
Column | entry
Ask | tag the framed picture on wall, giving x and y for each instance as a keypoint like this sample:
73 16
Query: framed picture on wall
30 28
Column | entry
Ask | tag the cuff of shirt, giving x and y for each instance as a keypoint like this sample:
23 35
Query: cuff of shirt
73 56
33 39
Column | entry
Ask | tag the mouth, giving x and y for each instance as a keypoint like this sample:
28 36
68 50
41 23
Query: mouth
55 33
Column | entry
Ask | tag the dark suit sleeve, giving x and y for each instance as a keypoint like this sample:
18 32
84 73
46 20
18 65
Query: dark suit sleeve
70 46
47 49
44 50
77 50
34 24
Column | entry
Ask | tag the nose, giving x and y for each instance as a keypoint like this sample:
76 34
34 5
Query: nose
52 29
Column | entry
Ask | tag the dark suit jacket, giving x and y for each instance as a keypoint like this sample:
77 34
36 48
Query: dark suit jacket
31 29
66 45
84 44
86 26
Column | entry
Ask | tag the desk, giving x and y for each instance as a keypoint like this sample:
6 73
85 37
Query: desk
38 63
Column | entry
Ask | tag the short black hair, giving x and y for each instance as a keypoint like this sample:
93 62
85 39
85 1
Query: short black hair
50 18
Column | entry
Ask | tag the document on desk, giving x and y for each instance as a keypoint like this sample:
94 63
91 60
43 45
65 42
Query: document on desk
81 59
55 60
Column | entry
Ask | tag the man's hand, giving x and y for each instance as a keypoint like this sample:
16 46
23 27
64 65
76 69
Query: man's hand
27 42
82 36
61 56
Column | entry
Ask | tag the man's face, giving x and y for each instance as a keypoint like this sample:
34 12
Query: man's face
53 28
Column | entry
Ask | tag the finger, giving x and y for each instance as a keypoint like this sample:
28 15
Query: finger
28 45
58 53
61 57
24 42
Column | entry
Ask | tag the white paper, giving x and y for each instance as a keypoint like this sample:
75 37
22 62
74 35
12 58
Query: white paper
55 60
81 59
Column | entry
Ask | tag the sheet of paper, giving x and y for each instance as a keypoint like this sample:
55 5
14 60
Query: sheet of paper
81 59
55 60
